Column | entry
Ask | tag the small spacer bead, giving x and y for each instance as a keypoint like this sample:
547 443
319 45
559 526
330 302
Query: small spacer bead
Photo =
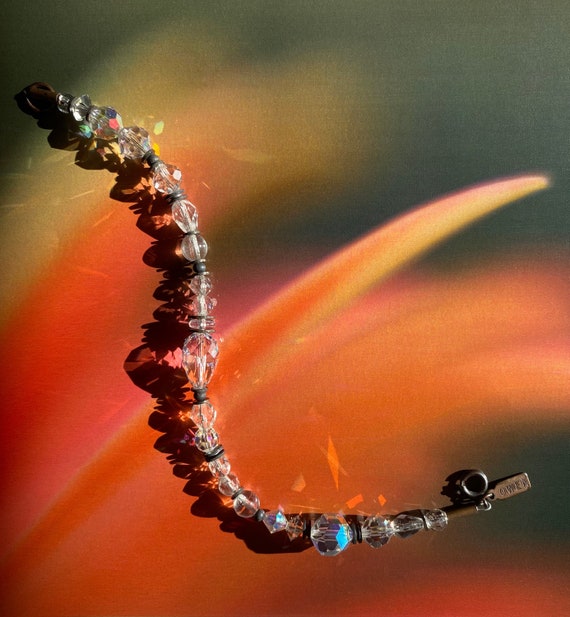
151 158
176 195
215 454
238 492
200 394
356 531
259 515
200 267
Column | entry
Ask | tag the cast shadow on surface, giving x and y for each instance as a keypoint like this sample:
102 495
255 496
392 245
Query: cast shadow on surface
154 366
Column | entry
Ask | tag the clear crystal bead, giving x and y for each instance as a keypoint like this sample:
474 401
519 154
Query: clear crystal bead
63 101
105 122
406 525
202 305
194 247
376 531
199 358
203 414
201 284
206 439
165 178
185 215
275 520
295 527
79 107
331 534
436 520
201 323
220 467
246 504
134 142
228 484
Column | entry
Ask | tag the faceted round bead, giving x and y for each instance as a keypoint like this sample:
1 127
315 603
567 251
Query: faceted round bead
295 527
406 525
436 520
201 323
376 531
194 247
206 439
203 414
199 358
275 521
185 215
79 107
246 504
202 305
331 534
220 467
201 284
105 122
228 484
134 142
166 178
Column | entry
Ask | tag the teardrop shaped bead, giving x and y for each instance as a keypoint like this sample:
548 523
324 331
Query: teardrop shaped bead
199 358
166 178
185 215
203 414
406 525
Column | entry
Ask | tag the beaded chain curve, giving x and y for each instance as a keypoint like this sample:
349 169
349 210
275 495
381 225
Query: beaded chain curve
331 533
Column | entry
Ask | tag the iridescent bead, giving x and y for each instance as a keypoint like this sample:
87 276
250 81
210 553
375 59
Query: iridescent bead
201 284
376 531
206 439
219 467
185 215
295 527
201 323
202 305
406 525
165 178
203 414
199 358
331 534
134 142
105 122
436 520
275 520
246 504
79 107
228 485
194 247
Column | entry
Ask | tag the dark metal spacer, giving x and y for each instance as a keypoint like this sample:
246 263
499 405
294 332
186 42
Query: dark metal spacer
151 158
200 394
215 454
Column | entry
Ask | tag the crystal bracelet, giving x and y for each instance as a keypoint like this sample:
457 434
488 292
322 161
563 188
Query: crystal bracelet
330 533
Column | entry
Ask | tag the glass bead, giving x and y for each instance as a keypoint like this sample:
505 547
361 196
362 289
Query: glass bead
134 142
201 284
201 323
331 534
63 101
406 525
246 504
436 520
202 305
376 531
194 247
79 107
206 439
185 215
199 358
220 467
228 484
166 178
295 527
203 414
105 122
275 520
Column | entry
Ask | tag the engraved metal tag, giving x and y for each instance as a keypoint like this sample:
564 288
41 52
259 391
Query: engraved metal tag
511 486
